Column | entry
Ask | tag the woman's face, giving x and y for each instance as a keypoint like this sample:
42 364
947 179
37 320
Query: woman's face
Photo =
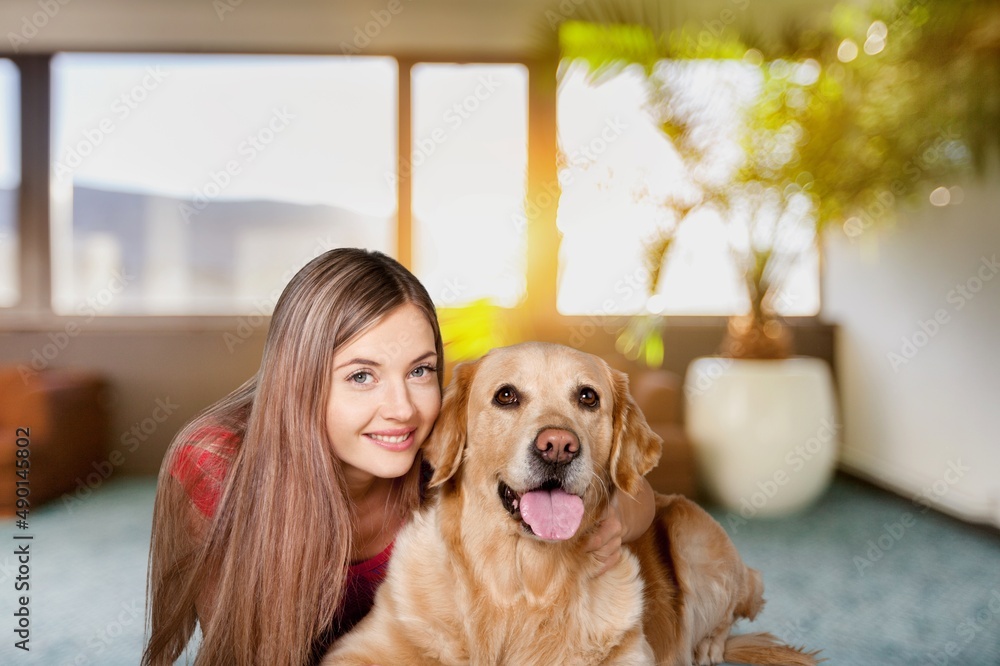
384 397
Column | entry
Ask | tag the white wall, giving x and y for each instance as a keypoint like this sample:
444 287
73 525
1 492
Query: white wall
159 379
919 363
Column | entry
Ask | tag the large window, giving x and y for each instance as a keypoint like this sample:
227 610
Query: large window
469 163
187 184
618 169
10 179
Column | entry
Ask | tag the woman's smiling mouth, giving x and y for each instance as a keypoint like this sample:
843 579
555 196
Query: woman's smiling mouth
393 440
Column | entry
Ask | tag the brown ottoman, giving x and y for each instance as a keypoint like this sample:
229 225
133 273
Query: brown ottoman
65 416
657 393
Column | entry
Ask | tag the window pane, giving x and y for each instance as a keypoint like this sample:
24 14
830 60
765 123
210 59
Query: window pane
189 184
10 181
469 164
618 169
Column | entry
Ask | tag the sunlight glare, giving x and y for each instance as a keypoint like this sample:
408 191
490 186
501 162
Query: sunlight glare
847 51
469 165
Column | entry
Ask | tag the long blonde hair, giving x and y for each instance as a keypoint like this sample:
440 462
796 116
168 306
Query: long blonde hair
277 549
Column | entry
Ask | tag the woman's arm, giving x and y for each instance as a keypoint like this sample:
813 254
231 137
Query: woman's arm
625 519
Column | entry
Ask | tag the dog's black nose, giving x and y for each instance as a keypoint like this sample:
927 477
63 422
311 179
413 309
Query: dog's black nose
557 446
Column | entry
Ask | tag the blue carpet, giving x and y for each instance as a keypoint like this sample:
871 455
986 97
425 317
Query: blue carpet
88 578
872 578
864 575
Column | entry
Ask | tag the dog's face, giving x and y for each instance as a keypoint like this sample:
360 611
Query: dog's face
539 433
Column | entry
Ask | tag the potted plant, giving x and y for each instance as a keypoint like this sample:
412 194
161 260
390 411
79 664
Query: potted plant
763 423
849 119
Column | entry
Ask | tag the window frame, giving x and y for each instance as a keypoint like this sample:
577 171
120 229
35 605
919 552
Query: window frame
537 312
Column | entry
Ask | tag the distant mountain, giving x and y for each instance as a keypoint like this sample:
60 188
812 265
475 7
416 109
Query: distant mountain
216 242
8 250
212 231
8 211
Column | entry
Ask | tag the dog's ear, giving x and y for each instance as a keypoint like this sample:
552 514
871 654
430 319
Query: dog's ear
446 444
635 448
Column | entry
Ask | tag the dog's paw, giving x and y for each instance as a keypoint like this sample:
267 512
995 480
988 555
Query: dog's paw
711 648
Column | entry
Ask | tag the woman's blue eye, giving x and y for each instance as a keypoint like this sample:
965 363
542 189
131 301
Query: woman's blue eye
360 377
422 371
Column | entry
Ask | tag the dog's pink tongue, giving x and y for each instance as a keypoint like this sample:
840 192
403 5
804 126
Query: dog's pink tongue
552 514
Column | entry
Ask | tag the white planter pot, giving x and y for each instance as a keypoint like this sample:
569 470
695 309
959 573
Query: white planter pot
765 432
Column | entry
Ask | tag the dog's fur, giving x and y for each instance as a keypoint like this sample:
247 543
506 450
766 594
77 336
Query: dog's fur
469 583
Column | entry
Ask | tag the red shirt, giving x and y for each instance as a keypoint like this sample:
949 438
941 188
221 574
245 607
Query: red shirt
201 466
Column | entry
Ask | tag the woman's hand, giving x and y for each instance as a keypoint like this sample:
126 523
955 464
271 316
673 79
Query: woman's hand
624 519
606 541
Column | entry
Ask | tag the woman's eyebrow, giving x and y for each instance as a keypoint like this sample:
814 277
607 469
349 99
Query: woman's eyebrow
357 361
367 361
424 355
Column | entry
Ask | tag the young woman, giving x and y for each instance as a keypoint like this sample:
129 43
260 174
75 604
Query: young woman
277 507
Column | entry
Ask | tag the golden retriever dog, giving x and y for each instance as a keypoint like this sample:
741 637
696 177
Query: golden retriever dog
531 441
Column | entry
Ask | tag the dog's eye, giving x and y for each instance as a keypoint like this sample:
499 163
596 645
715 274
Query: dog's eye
506 396
588 397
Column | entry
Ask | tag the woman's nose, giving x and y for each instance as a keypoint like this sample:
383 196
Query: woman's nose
398 403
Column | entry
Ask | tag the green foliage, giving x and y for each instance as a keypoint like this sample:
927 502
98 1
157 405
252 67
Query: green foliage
608 48
471 331
887 119
641 340
872 107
